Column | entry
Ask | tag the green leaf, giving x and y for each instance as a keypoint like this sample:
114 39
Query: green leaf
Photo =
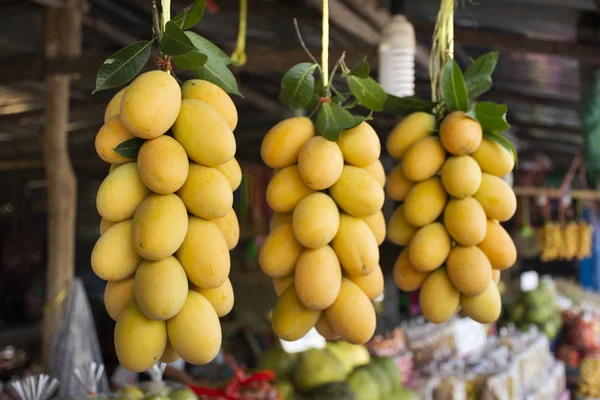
316 95
332 119
402 106
219 74
454 88
297 85
174 41
191 60
123 66
478 86
129 148
504 142
491 116
368 92
205 46
361 69
478 76
191 15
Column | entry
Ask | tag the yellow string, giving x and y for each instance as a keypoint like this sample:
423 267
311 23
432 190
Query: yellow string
239 56
443 45
166 12
57 300
325 44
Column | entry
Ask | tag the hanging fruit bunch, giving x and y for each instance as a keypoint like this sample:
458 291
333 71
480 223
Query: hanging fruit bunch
166 204
565 242
322 250
449 181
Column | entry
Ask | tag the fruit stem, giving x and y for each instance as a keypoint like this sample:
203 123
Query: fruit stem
156 22
239 54
310 55
325 44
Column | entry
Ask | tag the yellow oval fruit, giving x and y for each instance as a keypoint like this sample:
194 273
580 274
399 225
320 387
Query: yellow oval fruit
371 284
280 251
399 231
412 128
281 284
423 159
397 184
493 158
159 226
204 133
206 192
376 169
496 275
484 308
406 277
114 105
233 172
117 295
210 93
169 355
204 255
352 315
465 220
360 145
460 134
439 299
150 104
469 270
286 189
229 227
195 332
139 341
325 329
115 166
160 288
279 219
318 294
429 248
221 297
425 202
281 145
163 165
114 256
461 176
315 220
320 163
376 223
110 135
497 198
120 193
498 246
355 246
357 192
290 318
105 225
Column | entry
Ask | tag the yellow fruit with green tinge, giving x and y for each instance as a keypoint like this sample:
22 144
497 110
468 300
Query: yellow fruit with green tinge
105 225
357 192
160 288
206 192
320 163
286 189
120 193
493 158
372 284
204 133
282 143
484 308
352 315
461 176
150 104
233 172
195 332
159 226
210 93
117 295
397 184
111 135
425 202
204 254
281 284
406 277
169 355
163 165
355 246
376 169
325 329
412 128
439 299
430 247
114 105
315 220
498 246
291 319
465 220
497 198
229 227
496 274
221 298
360 145
460 134
139 341
399 231
377 225
469 270
423 159
280 251
279 219
114 256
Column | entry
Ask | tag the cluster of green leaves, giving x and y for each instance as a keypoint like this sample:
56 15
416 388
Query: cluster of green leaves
189 51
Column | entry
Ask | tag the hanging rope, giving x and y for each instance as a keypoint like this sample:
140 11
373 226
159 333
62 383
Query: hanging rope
442 46
325 44
239 56
166 12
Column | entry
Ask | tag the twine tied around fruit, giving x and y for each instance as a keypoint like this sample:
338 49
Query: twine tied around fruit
442 47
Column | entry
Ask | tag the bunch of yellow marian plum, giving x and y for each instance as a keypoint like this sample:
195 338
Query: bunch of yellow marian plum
322 251
167 218
453 200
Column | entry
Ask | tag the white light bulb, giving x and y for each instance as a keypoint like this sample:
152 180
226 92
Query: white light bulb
397 57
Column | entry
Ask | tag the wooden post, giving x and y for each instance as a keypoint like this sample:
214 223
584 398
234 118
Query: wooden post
62 39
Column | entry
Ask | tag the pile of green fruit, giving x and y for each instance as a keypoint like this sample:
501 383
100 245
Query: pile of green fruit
156 391
340 371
